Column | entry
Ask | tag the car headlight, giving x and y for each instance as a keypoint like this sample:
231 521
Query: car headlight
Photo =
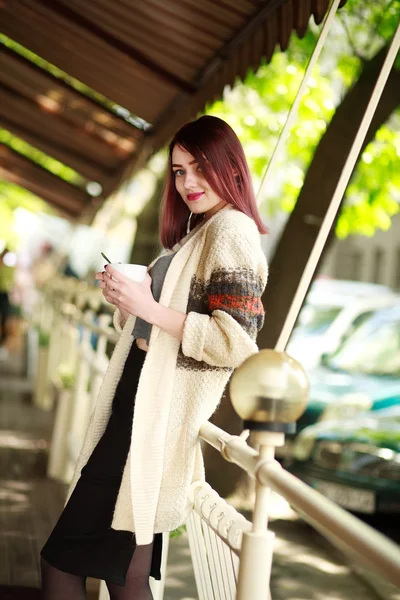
346 407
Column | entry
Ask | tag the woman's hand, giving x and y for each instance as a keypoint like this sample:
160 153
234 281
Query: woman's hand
129 296
137 299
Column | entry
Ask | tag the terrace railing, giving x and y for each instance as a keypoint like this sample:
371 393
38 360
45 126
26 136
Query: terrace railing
231 556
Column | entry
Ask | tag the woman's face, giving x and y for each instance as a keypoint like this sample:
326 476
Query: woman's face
192 185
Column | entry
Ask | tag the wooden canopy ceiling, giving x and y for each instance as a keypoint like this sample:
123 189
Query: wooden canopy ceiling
157 62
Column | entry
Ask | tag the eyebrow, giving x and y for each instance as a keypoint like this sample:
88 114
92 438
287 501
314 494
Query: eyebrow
191 163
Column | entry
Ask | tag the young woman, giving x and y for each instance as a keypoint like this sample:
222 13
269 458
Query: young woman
183 331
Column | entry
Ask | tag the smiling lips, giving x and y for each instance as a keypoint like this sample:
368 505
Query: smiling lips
194 197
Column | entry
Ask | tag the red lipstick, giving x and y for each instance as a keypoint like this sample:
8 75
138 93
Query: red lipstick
194 197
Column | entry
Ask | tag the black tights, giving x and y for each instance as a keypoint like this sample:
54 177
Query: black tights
58 585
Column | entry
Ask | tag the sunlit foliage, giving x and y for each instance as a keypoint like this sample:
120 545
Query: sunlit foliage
258 108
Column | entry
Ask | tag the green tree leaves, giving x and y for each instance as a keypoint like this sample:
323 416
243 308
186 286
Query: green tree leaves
257 110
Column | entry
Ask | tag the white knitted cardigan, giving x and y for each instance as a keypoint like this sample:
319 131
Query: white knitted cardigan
217 277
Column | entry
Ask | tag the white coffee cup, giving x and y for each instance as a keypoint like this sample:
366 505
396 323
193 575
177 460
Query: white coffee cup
134 272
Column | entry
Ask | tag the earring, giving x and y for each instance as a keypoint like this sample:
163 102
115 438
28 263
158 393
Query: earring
188 224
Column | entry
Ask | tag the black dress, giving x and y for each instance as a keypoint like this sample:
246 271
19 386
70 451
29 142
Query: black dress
82 542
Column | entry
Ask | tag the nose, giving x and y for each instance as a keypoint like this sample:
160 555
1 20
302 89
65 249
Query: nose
190 180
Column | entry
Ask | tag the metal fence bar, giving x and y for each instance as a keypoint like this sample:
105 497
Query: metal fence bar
230 568
217 543
235 565
203 564
211 561
217 565
195 552
300 93
224 569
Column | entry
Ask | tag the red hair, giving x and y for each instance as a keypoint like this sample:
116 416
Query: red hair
219 153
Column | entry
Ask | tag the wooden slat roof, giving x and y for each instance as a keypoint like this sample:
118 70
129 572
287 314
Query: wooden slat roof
156 62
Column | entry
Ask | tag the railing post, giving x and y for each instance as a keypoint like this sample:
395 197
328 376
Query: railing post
81 398
100 361
70 336
269 392
64 381
54 351
258 544
41 380
58 455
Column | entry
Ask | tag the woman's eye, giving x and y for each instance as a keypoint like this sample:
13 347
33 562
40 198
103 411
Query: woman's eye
200 170
178 172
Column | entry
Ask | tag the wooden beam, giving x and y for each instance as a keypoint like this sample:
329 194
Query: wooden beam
32 186
74 159
26 173
152 67
59 127
52 81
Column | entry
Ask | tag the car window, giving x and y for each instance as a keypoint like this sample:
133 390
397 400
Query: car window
359 320
315 320
356 323
373 349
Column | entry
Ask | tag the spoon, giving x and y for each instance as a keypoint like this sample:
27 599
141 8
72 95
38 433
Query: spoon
107 259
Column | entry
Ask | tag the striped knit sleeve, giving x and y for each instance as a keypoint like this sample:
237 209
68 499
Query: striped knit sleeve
238 293
226 335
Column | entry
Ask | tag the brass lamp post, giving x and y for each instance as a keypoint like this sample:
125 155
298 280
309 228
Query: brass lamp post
269 391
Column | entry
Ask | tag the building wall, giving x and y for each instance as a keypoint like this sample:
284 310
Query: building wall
361 258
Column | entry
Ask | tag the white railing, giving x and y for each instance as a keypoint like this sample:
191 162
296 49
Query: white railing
215 530
350 535
226 564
